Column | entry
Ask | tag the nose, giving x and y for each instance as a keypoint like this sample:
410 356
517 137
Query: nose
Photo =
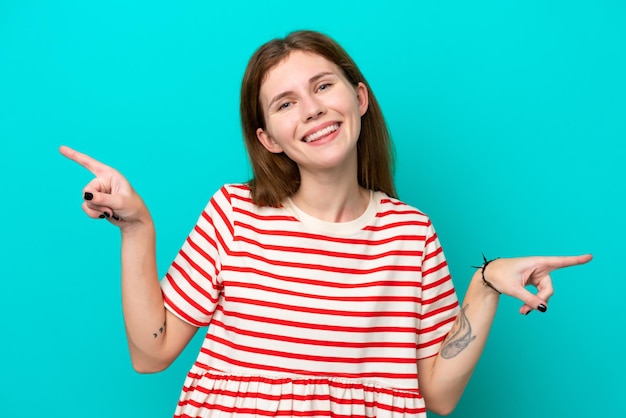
312 108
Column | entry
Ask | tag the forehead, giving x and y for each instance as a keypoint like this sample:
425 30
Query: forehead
296 69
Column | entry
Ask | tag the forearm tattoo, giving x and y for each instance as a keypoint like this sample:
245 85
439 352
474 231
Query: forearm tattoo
459 337
160 331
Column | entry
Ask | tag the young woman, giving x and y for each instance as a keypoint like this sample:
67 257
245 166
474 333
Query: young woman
324 295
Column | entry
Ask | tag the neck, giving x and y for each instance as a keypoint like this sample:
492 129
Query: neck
331 199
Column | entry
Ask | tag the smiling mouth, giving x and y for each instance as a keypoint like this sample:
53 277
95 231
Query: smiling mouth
322 132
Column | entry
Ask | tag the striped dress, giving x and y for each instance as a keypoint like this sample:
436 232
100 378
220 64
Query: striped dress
309 318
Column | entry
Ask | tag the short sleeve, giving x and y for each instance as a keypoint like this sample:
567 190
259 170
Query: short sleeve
440 305
191 286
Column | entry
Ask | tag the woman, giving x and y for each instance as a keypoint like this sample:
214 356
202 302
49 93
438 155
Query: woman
324 294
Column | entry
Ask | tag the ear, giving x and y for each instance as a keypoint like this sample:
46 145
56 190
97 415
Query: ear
267 141
362 97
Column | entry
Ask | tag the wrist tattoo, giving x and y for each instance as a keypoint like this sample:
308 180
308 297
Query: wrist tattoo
459 338
160 331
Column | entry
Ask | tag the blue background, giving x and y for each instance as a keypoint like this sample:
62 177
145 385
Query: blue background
509 124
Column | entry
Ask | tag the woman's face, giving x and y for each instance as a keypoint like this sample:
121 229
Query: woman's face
312 112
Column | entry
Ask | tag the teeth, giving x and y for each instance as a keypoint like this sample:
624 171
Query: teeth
321 133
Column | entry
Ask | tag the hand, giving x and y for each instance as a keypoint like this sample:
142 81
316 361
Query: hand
109 195
511 276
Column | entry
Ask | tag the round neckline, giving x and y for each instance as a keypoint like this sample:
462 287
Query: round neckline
335 228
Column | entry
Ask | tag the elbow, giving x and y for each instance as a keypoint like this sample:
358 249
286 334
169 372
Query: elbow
146 370
144 362
443 410
143 366
443 407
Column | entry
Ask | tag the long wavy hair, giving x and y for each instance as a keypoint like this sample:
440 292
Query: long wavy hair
276 176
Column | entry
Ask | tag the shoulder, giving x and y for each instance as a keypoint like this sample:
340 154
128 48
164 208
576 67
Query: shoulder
237 198
233 193
393 208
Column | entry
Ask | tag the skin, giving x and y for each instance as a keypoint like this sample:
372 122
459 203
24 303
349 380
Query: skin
142 302
300 95
443 377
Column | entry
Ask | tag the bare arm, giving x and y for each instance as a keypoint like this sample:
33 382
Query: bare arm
155 336
443 377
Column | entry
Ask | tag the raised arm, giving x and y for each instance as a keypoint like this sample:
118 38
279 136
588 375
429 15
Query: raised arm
443 377
155 336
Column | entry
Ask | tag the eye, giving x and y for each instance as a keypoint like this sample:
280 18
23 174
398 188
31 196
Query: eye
284 105
324 86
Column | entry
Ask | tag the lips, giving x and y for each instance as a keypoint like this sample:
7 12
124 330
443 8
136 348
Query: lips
320 132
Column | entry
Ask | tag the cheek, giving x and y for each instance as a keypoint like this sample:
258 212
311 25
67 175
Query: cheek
283 125
348 103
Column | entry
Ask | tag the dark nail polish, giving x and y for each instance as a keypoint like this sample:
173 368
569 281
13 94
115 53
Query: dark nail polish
106 214
117 218
527 312
88 196
101 216
542 307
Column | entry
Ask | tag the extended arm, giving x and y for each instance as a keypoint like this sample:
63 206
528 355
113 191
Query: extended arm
155 336
443 377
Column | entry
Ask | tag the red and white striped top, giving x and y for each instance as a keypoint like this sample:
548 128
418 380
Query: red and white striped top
309 318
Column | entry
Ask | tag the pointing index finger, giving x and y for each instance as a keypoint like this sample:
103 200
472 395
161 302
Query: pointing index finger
568 261
86 161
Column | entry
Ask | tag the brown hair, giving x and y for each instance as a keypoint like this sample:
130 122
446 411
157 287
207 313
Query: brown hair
276 176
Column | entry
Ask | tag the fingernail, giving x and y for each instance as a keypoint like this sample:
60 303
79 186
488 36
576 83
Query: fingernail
117 218
101 216
106 214
542 307
88 196
527 313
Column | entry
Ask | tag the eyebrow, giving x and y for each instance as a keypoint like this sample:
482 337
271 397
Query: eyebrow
312 80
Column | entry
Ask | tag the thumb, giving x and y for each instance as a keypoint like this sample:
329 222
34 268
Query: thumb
532 302
98 204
